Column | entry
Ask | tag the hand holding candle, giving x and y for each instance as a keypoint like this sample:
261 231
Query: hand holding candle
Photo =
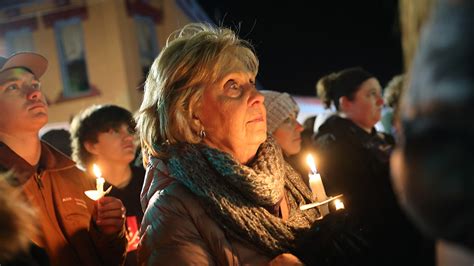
315 181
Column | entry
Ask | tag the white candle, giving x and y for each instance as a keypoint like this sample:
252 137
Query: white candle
339 205
315 181
100 180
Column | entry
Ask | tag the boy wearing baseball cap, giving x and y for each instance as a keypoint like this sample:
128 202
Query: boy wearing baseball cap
73 229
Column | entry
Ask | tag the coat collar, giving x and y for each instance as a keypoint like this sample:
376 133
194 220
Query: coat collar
50 160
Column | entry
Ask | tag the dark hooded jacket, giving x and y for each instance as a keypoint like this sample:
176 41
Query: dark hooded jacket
355 163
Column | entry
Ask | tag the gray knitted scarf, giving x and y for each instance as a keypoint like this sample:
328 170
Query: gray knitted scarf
238 197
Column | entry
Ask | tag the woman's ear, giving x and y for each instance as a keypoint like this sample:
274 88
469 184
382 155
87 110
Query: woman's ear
196 123
344 103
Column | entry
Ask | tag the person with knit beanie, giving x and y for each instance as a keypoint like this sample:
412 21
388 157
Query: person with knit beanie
282 111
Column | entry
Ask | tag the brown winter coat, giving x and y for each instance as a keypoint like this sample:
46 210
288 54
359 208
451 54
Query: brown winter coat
56 189
176 230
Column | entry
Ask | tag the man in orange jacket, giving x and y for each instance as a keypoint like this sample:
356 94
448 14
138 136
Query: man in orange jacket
73 230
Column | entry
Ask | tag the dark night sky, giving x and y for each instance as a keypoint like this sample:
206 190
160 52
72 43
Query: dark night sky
297 43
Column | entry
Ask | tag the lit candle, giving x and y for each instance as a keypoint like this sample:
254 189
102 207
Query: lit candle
99 184
315 182
339 205
100 180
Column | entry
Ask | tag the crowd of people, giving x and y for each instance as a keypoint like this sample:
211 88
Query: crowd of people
209 170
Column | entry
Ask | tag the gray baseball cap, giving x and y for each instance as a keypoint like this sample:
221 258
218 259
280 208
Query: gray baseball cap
35 63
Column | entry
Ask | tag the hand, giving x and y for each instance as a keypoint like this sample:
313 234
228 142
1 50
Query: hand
285 259
337 239
109 215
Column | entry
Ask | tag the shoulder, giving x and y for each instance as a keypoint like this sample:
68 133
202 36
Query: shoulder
388 138
334 124
74 172
54 159
333 130
175 201
177 228
73 178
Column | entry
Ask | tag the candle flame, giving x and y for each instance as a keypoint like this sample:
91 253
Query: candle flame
310 162
96 170
339 205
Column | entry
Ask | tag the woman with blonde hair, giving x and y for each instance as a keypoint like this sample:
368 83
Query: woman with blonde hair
391 96
323 95
217 191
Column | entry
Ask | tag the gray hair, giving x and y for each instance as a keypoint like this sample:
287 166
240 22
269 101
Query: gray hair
195 57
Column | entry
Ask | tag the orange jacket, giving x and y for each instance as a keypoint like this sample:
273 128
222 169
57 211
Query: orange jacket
56 189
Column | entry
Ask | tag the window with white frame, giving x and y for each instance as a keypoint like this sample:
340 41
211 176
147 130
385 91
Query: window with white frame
70 43
19 40
147 43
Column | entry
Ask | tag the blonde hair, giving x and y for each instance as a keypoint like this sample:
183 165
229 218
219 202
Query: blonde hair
194 58
322 89
393 91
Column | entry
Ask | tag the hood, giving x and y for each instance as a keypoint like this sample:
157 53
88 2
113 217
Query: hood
156 178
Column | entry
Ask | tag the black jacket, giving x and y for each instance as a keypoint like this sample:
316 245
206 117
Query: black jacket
356 164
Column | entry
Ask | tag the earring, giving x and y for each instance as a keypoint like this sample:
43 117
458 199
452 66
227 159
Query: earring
202 134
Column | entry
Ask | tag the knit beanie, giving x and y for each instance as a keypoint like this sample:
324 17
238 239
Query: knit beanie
279 105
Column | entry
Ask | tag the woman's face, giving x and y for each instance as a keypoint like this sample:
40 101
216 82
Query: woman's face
233 115
288 135
365 109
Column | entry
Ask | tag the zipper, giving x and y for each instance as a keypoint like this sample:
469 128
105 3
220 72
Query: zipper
38 180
